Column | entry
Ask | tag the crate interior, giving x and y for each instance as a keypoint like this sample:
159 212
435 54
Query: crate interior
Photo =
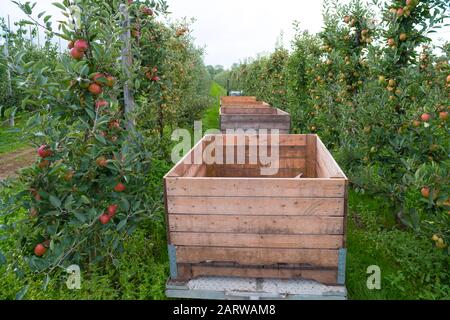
299 157
249 110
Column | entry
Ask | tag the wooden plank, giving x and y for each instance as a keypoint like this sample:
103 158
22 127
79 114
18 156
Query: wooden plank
326 163
255 118
166 210
194 169
316 225
282 163
226 100
256 125
245 187
284 140
311 146
257 173
257 206
237 240
283 151
325 276
184 164
228 110
203 171
322 258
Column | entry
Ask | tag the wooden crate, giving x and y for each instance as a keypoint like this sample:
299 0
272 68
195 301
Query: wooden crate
229 220
251 114
237 100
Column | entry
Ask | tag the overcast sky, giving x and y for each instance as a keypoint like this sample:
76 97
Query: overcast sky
230 30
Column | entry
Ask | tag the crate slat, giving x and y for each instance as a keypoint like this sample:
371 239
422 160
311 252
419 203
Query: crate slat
260 224
257 206
265 187
323 258
276 241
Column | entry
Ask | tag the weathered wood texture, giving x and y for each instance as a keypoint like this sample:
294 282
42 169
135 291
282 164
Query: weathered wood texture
229 220
254 120
234 100
248 114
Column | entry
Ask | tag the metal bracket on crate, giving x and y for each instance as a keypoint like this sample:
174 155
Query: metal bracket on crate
173 261
341 266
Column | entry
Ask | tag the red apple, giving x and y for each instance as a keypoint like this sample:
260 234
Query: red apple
101 103
448 79
443 115
44 151
425 117
101 162
95 89
112 209
81 45
120 187
104 219
76 54
114 124
400 12
416 123
425 192
156 79
147 11
40 250
97 76
110 80
391 42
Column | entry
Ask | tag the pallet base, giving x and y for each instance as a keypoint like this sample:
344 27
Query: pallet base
224 288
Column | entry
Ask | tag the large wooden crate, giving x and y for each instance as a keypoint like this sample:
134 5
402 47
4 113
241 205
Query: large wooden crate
248 113
229 220
237 100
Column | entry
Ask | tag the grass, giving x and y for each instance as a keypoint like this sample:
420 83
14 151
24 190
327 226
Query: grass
11 139
211 117
411 268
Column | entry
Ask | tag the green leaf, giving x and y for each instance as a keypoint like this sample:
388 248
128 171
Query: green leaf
122 224
80 217
100 138
59 5
55 201
90 113
46 282
124 204
22 292
85 199
2 259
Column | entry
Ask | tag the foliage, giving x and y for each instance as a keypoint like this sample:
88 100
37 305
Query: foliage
20 49
382 109
90 191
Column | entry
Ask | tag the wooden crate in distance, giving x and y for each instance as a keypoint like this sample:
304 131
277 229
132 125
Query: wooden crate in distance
246 113
237 100
229 220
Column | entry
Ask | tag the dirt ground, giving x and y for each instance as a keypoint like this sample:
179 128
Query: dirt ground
10 163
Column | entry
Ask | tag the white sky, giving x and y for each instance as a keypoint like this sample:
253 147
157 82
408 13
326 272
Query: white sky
230 30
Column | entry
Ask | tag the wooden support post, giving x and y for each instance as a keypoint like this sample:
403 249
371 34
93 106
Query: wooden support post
311 156
8 73
127 62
